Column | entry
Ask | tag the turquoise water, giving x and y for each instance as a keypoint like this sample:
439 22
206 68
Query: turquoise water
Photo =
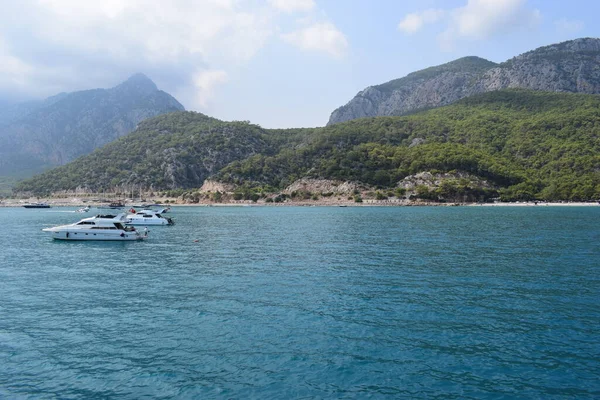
306 302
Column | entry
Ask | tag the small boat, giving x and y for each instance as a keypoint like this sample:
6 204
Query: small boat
147 217
37 205
99 227
116 205
84 209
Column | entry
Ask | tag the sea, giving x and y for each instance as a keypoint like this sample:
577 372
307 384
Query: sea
306 303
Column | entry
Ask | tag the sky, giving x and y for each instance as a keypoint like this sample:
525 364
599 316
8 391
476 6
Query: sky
276 63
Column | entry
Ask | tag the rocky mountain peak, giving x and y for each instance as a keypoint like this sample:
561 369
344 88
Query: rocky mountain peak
570 66
572 46
54 131
138 83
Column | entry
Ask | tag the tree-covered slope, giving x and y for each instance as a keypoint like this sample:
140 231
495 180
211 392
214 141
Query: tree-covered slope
529 144
171 151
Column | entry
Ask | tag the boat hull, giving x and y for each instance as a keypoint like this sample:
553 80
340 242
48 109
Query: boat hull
147 223
81 235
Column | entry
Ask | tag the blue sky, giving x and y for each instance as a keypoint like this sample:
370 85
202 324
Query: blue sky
278 63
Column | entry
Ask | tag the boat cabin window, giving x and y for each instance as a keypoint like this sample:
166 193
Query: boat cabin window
147 216
86 223
119 225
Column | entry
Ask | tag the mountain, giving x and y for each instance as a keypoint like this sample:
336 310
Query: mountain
519 144
171 151
572 66
38 135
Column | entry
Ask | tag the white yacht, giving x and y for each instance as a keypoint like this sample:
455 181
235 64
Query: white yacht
100 227
147 217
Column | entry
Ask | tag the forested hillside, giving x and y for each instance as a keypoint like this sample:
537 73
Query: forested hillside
527 144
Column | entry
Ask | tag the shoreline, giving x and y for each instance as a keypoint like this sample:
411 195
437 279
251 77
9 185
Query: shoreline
76 202
540 204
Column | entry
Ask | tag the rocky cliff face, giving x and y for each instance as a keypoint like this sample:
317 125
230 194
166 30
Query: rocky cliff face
572 66
38 135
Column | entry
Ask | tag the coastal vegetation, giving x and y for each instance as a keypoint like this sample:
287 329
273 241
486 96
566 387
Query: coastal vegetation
520 144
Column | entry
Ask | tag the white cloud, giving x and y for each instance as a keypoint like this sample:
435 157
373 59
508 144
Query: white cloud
73 44
569 26
483 18
320 36
13 71
290 6
205 82
157 29
413 22
478 19
22 79
85 10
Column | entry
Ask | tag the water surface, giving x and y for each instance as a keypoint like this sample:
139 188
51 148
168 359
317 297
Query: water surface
306 302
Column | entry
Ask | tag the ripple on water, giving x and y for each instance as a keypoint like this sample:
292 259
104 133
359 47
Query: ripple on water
306 302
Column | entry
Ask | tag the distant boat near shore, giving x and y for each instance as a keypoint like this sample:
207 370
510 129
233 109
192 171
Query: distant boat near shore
37 205
114 205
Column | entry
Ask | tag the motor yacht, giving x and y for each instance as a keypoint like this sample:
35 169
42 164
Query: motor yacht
147 217
115 205
99 227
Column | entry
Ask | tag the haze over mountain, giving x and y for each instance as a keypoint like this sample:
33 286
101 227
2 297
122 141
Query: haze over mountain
38 135
572 66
